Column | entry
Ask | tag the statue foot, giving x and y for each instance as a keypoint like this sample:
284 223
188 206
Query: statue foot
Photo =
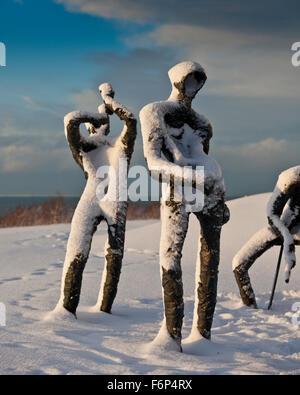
164 342
60 313
196 344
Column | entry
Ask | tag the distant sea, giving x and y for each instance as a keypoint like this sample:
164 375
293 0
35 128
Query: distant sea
12 202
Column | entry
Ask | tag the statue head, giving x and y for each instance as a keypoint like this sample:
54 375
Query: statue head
106 89
187 78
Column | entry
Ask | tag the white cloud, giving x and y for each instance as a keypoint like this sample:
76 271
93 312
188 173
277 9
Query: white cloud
32 158
15 158
260 157
118 9
263 149
35 106
257 14
254 167
86 100
181 34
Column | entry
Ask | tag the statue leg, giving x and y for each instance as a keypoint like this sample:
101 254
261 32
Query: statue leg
245 258
207 274
174 228
84 224
114 251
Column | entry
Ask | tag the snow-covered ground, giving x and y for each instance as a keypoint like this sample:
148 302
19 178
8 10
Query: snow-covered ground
244 340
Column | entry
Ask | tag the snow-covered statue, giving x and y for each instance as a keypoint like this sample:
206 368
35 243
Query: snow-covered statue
176 137
92 153
284 225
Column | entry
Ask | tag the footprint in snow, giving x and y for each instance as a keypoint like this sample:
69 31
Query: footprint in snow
6 280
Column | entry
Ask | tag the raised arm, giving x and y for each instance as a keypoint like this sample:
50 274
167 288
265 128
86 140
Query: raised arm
129 131
77 142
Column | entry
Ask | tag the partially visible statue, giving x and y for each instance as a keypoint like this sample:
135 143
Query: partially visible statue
92 153
176 137
284 225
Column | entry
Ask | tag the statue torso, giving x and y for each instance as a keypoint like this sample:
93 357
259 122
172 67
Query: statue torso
184 141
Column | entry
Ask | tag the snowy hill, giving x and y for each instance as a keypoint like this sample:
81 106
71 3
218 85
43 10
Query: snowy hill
244 341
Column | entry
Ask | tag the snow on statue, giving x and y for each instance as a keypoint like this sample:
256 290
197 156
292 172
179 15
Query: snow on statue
93 152
284 227
175 137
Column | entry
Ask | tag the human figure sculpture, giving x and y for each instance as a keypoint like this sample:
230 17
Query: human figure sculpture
91 152
175 136
284 224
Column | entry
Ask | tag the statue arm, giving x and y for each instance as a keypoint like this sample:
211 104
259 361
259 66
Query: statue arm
77 142
129 131
154 135
275 209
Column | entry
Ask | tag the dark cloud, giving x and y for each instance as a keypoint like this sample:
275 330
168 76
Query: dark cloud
264 15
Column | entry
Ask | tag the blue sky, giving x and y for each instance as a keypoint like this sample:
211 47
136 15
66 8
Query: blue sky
58 52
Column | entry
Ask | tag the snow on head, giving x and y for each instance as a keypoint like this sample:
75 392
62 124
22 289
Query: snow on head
183 69
187 79
106 89
288 177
